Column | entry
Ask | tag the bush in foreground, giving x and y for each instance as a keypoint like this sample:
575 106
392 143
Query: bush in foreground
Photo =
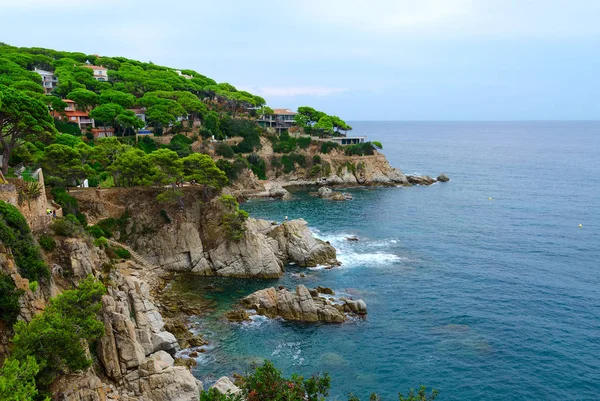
267 383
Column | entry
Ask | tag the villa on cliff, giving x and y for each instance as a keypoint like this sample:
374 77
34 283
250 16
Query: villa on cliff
281 119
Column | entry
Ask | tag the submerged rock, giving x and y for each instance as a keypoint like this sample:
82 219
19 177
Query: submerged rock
302 305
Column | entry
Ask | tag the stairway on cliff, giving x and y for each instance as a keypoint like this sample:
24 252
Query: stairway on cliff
134 255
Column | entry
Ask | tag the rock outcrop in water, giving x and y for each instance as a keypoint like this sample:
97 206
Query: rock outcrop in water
302 305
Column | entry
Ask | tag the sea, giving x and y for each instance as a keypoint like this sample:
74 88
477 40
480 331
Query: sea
485 288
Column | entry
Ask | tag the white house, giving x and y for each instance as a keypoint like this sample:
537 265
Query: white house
100 73
49 80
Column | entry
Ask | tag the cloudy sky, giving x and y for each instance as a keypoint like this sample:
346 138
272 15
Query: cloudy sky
361 60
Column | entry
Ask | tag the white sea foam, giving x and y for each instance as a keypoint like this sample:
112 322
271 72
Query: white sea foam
369 259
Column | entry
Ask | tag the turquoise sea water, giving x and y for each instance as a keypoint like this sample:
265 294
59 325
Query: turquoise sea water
481 299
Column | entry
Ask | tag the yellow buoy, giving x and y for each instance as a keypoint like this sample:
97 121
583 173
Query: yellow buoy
489 198
581 225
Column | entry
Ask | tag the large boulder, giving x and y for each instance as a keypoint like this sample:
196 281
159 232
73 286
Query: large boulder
301 305
225 386
296 243
252 256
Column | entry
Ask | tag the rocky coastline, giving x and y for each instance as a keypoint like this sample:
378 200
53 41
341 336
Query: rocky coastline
145 326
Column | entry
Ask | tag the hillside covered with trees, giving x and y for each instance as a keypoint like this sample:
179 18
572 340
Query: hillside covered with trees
183 104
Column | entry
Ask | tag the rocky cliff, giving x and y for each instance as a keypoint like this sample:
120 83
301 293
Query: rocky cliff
192 238
135 356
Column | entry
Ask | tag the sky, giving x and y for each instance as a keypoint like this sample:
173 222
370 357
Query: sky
360 60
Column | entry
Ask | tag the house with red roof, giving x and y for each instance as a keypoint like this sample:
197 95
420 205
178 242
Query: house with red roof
100 73
72 115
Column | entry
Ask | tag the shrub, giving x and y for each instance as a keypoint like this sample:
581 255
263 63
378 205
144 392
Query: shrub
97 232
165 216
47 242
267 383
121 252
316 170
232 170
360 149
303 142
101 242
234 219
67 226
33 286
15 234
224 150
258 166
328 146
58 338
316 159
9 299
69 204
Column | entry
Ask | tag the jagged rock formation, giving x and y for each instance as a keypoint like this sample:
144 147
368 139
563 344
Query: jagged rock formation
195 241
302 305
134 355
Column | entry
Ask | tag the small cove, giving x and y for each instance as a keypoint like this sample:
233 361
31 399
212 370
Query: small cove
478 298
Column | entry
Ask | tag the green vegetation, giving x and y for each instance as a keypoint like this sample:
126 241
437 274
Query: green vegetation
267 383
17 380
258 166
327 147
67 226
9 299
101 242
233 169
317 122
15 234
23 118
224 150
362 149
187 106
234 219
58 338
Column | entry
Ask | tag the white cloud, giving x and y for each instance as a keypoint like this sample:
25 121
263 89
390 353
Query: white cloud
278 91
411 19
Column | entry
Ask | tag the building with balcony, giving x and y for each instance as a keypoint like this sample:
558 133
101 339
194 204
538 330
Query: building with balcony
281 119
74 116
49 80
100 73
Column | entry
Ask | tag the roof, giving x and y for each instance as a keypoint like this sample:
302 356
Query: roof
68 101
286 112
76 113
95 67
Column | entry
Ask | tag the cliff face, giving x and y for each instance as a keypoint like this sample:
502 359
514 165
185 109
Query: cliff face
135 356
335 168
192 238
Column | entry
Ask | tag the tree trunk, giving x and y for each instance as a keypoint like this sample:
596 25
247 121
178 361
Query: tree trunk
5 159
